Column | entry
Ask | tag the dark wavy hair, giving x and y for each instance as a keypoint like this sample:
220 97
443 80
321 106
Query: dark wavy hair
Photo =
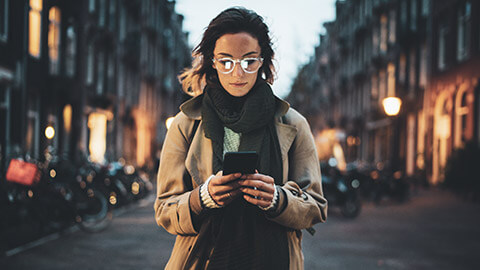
230 21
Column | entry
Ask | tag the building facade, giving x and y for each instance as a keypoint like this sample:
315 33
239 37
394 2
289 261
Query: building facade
423 52
100 73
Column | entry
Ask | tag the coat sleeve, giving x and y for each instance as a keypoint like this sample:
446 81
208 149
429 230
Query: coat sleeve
172 207
302 204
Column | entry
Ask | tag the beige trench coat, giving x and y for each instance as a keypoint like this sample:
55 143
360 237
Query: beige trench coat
305 203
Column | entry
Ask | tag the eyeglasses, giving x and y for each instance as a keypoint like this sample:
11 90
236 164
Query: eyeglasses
249 65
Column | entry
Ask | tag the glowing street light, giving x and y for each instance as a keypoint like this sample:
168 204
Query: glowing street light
168 122
392 105
49 132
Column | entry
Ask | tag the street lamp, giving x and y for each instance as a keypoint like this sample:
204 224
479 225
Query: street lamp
49 132
392 105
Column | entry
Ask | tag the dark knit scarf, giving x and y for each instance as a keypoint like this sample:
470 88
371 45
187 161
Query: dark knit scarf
241 236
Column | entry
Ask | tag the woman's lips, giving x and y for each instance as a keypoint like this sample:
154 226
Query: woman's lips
238 84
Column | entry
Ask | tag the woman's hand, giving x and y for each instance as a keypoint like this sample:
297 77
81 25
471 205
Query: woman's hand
260 187
223 188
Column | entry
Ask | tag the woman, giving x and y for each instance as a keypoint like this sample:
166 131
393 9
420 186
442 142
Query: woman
237 221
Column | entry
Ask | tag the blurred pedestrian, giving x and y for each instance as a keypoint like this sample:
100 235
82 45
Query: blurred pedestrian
237 221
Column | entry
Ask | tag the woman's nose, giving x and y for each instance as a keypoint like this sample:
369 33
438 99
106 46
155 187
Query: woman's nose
238 71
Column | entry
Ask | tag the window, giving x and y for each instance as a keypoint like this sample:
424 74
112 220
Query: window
70 51
463 31
374 39
383 33
90 62
402 65
461 117
413 15
54 39
392 26
122 32
391 80
91 5
112 12
111 71
442 43
374 92
3 20
100 72
403 13
425 7
35 27
101 13
412 70
382 91
423 67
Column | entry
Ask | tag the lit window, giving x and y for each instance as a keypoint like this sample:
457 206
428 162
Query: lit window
463 117
391 80
3 20
54 39
97 123
35 18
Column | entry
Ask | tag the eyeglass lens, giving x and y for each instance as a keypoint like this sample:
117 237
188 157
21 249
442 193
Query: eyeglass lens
249 65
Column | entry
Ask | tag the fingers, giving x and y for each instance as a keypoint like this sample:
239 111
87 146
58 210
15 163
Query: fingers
224 189
258 194
257 201
258 189
223 199
221 179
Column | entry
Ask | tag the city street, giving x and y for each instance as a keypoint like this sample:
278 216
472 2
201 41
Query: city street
434 230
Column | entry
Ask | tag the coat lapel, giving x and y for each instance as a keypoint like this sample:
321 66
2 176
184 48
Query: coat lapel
199 157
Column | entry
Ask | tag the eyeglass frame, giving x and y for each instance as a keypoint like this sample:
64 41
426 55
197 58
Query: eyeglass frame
235 61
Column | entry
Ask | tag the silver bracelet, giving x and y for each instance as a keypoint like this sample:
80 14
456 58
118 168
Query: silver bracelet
206 197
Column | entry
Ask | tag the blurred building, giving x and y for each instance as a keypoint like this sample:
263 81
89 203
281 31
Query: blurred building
101 73
452 100
423 52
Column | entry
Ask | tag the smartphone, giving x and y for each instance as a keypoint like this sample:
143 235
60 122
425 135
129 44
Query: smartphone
240 162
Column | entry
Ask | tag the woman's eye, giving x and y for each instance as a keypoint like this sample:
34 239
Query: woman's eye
226 63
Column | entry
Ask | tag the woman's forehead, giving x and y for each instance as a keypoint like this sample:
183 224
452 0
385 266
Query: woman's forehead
236 45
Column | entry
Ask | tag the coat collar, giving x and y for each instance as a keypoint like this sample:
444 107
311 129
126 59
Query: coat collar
193 107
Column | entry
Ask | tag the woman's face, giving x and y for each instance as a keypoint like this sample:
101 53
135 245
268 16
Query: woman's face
237 47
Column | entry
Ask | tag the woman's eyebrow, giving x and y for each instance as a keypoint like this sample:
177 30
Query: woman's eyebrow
229 55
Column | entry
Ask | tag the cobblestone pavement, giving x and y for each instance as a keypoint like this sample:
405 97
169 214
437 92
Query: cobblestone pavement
434 230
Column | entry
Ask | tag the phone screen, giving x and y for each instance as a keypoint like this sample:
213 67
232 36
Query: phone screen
240 162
